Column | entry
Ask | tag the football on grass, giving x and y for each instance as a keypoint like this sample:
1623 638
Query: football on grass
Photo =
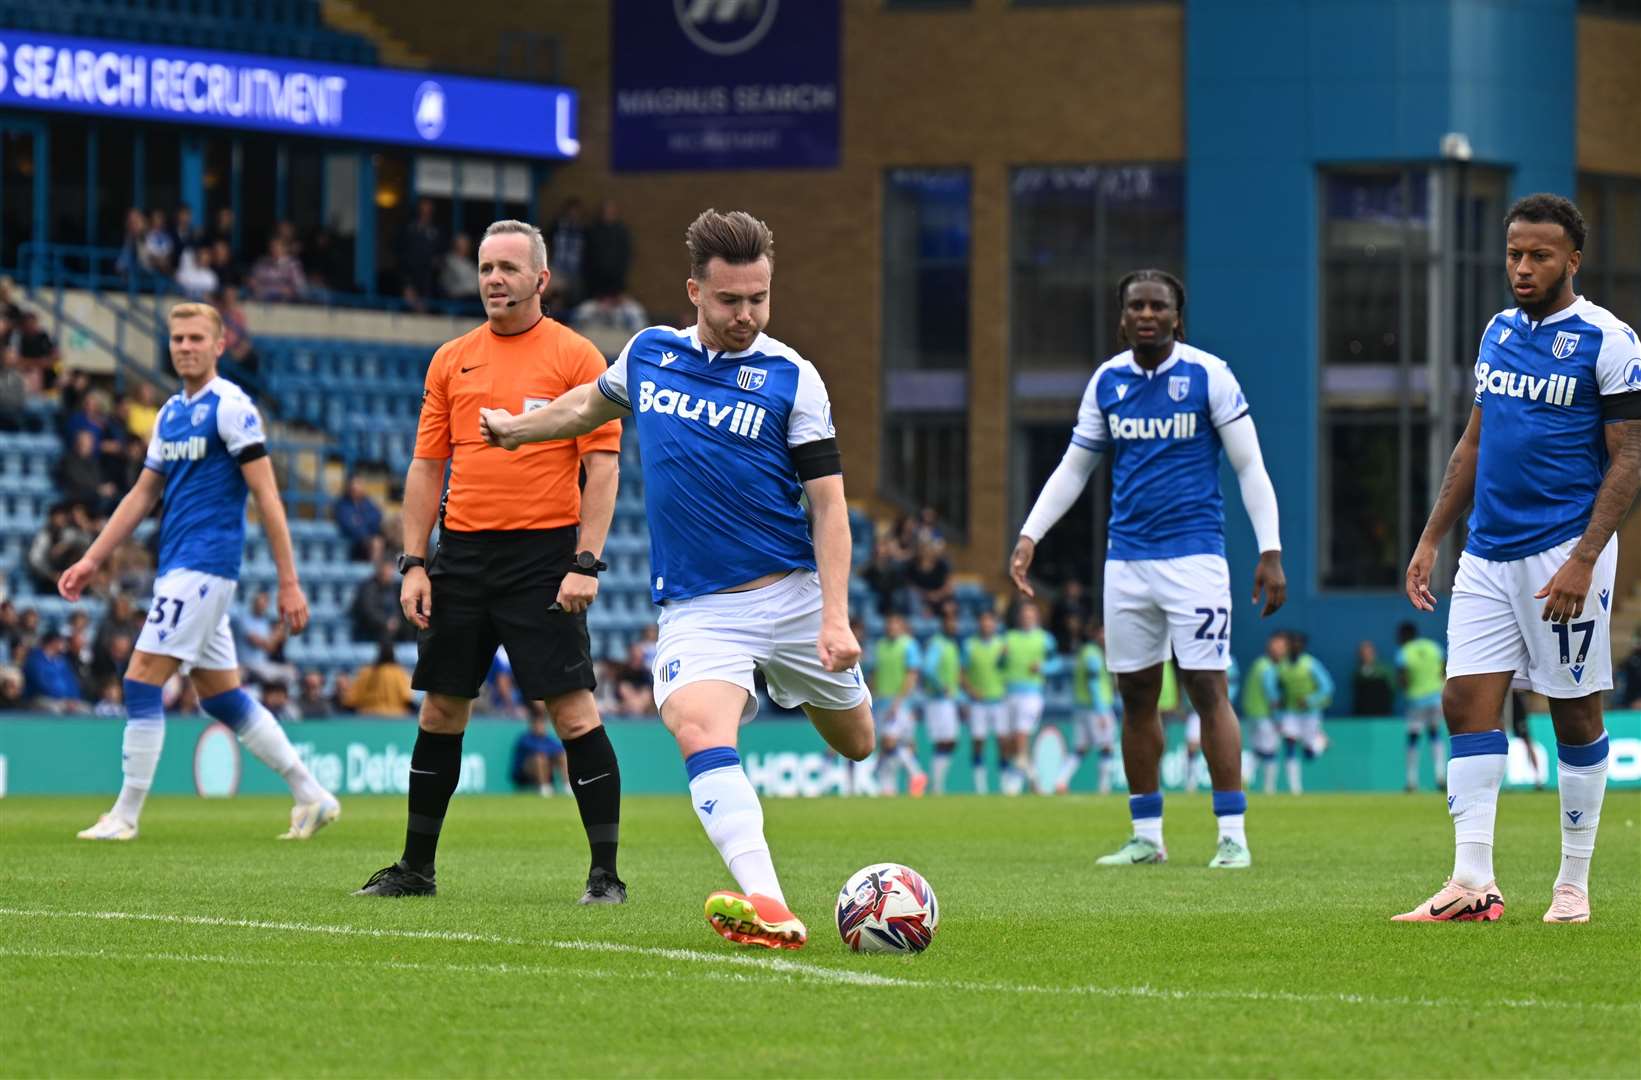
888 908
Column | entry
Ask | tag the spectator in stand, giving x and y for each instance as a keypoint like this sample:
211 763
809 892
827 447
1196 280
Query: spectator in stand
360 520
459 270
419 245
381 688
94 416
130 259
122 618
885 575
1628 683
277 276
1072 613
185 235
538 758
110 657
608 254
616 313
236 330
567 248
375 611
196 277
931 575
229 272
78 648
49 684
11 684
79 474
140 412
36 349
10 625
14 390
222 229
634 684
159 246
1373 686
276 698
261 644
313 702
58 545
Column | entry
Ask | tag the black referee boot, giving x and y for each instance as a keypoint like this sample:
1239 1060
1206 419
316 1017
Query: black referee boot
400 880
604 887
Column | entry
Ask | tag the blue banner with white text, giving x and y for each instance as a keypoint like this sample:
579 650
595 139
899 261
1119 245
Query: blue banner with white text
725 84
139 81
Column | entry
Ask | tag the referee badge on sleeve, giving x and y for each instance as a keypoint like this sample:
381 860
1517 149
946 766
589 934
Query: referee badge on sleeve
531 404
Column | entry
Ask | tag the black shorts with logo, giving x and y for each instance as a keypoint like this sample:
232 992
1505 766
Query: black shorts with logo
495 588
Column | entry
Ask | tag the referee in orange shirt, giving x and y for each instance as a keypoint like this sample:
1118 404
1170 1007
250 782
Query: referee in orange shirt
517 562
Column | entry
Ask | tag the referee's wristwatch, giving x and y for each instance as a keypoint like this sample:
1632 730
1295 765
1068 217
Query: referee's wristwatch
409 562
588 563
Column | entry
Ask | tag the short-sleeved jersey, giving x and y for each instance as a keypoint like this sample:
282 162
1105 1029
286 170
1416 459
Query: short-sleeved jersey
1422 660
1028 659
942 668
199 444
893 661
716 432
1161 430
1262 693
1091 682
983 667
1306 684
536 486
1546 391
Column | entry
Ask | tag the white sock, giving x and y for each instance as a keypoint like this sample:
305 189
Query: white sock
908 758
979 779
887 763
1438 757
1581 774
1074 761
139 758
1293 767
263 737
1233 827
1105 774
729 810
1148 826
1413 762
1190 771
1473 778
942 766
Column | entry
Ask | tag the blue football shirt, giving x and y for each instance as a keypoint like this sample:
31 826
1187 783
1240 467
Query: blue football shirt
198 445
1160 429
715 432
1546 391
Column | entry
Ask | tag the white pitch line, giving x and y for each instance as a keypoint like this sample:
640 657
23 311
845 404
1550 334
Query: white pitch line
782 969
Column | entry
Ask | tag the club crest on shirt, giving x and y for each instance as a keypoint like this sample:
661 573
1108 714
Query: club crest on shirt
1632 378
751 378
197 417
1564 345
1179 387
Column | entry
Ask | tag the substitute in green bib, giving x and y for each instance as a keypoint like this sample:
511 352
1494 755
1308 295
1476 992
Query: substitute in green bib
983 680
942 691
896 664
1421 671
1307 689
1093 725
1030 656
1261 701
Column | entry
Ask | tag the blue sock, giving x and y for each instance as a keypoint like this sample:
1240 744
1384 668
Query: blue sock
232 707
1229 810
140 749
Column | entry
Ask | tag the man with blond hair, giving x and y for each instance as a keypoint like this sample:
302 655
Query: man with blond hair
208 450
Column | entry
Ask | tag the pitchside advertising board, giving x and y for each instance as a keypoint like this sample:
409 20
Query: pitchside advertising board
136 81
784 758
725 84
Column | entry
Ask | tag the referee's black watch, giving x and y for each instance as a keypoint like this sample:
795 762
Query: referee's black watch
408 562
588 563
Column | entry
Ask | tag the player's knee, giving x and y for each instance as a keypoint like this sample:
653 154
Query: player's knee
445 715
1140 686
855 744
232 707
574 714
1206 689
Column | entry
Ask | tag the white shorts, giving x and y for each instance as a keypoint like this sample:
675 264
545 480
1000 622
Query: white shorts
1304 726
1422 718
1025 711
1154 606
940 717
988 718
1495 624
894 721
1265 740
188 620
1093 729
725 636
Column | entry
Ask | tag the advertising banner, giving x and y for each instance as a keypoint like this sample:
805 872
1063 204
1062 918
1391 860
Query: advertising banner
725 84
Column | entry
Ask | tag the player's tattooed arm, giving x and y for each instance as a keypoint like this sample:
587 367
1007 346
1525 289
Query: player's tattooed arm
1457 490
574 413
1564 594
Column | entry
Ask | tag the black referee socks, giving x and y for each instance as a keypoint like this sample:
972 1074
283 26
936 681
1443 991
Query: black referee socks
435 766
595 777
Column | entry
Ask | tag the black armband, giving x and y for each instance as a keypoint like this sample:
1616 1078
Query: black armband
1621 406
814 460
251 453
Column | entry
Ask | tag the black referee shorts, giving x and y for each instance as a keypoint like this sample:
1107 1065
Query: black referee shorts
494 588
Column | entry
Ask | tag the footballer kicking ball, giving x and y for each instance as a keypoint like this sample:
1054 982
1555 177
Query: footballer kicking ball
887 908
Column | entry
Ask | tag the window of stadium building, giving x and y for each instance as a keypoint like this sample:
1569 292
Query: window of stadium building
1411 271
926 256
1611 271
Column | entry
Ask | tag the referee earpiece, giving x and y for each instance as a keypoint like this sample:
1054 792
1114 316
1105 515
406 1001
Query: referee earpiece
536 291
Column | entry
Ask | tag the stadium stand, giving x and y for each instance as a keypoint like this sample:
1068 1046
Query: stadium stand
280 27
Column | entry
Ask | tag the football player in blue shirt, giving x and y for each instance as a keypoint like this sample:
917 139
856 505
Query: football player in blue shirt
734 429
208 449
1552 459
1163 411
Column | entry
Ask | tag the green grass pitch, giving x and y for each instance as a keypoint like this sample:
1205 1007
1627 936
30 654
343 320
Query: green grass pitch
207 948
